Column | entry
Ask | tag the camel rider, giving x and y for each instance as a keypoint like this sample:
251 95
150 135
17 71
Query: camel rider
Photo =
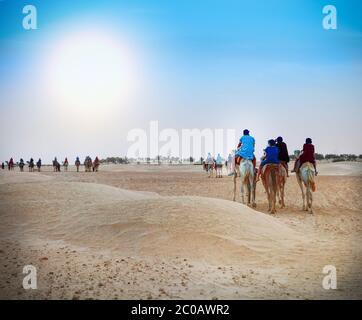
229 163
245 149
219 160
77 163
38 164
209 159
11 163
271 155
209 162
307 155
95 163
283 153
21 164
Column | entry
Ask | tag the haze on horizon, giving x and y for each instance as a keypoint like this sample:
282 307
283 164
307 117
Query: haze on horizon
93 71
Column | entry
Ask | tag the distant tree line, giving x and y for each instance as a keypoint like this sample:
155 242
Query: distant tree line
175 160
334 157
115 160
157 160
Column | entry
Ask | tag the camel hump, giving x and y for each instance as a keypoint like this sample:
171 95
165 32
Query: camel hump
307 165
270 167
273 165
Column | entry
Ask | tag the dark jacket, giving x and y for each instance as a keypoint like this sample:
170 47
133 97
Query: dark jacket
308 154
283 152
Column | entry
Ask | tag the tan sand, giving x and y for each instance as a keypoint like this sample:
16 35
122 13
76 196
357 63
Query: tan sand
170 232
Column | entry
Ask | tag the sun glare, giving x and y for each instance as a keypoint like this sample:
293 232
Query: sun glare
92 70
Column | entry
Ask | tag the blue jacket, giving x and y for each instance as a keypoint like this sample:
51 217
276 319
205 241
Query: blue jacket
272 155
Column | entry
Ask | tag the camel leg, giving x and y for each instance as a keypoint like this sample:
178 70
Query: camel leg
265 184
269 198
301 189
234 178
309 199
251 199
269 202
304 196
305 199
253 190
282 204
273 195
249 191
273 201
242 191
279 194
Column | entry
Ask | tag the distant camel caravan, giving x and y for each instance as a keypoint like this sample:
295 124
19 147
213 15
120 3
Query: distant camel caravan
89 165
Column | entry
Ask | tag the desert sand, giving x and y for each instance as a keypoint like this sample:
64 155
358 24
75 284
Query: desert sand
169 232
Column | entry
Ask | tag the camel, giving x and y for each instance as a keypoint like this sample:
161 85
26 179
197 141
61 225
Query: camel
77 164
21 165
306 176
270 177
88 164
95 165
281 184
10 164
38 165
56 165
218 170
248 180
65 164
209 167
31 165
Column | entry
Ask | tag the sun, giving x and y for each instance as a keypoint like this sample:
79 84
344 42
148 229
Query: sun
91 70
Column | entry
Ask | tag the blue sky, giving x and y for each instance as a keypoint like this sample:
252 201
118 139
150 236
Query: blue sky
265 65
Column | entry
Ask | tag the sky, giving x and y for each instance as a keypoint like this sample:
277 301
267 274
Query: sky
93 71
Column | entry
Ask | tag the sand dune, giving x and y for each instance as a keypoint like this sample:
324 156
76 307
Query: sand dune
103 216
344 168
97 240
22 177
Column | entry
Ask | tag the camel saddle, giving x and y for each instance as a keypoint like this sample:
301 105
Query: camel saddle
271 166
